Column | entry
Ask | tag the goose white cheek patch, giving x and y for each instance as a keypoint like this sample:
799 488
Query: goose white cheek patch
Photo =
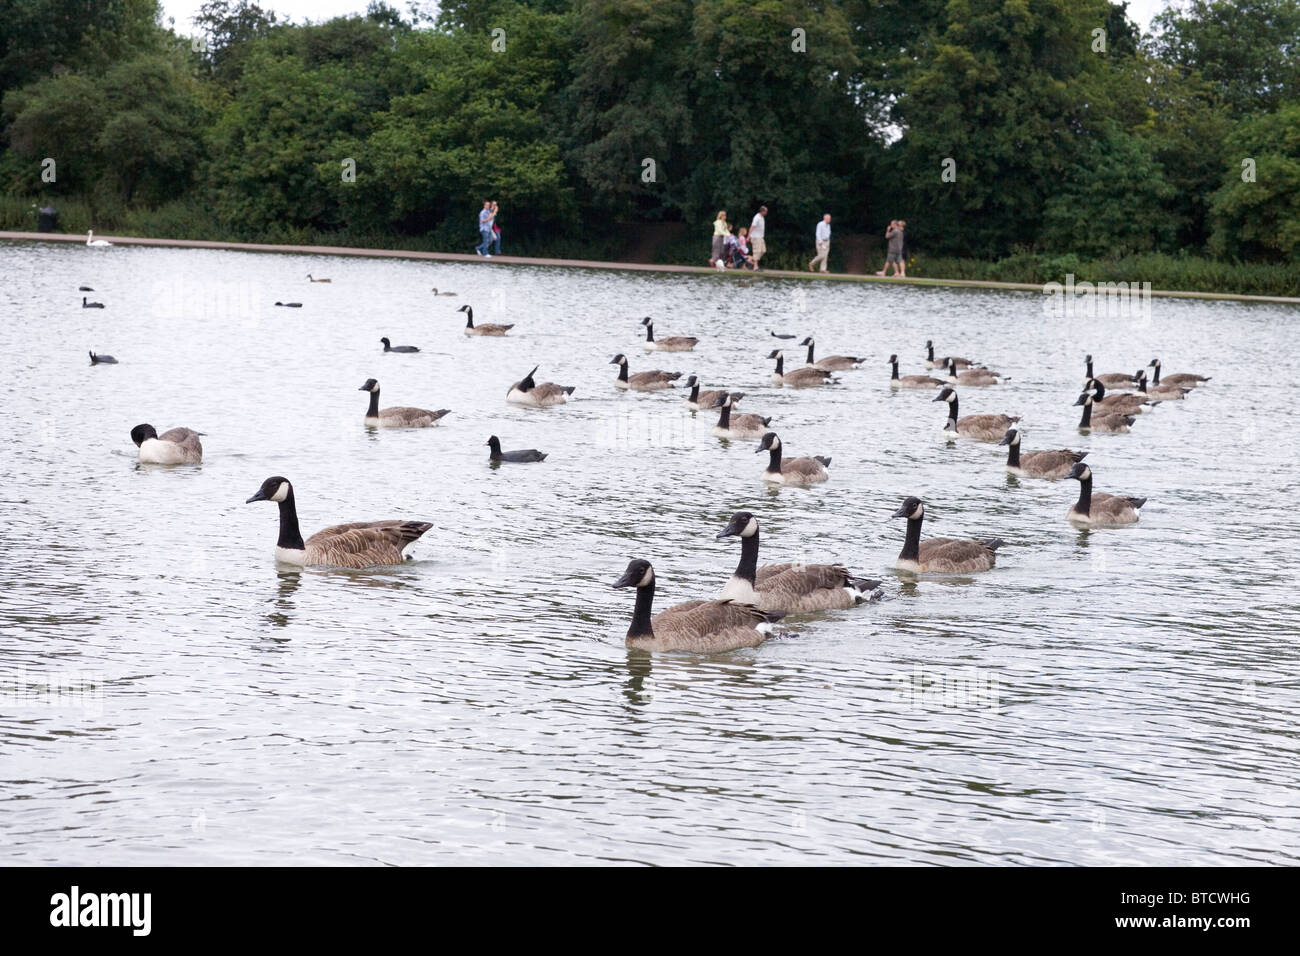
282 493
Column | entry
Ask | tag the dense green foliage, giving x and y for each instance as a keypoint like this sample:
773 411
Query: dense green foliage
1021 134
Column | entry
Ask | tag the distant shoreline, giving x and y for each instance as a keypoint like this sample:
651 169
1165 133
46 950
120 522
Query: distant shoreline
609 266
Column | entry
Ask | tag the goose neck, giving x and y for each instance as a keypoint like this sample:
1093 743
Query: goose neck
373 410
724 420
645 598
912 541
290 536
747 569
1086 420
811 346
1084 504
894 375
1013 455
774 460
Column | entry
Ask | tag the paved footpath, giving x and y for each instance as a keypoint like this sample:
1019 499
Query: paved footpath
591 264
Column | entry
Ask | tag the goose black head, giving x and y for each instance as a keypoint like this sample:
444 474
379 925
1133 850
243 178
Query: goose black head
526 384
1154 363
370 386
929 343
1080 472
723 399
647 321
141 433
691 380
1012 437
807 341
742 525
776 353
769 442
893 359
1084 399
619 359
947 395
273 489
639 574
464 308
1087 359
911 509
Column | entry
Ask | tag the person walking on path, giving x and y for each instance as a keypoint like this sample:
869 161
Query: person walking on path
823 244
894 235
485 229
720 233
757 231
496 229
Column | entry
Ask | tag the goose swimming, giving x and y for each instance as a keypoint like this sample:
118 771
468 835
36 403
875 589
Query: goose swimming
705 627
911 381
942 362
805 377
1115 423
399 416
1184 379
941 555
980 427
796 471
527 392
487 329
176 446
652 381
791 588
702 400
1109 379
1038 464
675 343
830 363
737 426
360 544
1099 510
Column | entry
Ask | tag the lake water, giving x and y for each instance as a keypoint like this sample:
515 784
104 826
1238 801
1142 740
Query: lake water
171 696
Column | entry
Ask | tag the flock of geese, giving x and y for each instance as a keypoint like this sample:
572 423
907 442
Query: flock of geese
746 611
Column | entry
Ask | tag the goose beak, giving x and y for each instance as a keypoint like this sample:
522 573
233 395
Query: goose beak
719 401
1006 440
628 579
900 513
1080 400
937 398
259 496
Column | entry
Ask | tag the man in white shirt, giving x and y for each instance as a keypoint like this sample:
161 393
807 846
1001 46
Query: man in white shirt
756 229
823 244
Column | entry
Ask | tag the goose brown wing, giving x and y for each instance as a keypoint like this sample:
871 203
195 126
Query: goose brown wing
412 416
548 391
700 624
365 543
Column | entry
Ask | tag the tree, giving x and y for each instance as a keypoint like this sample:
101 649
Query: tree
1259 216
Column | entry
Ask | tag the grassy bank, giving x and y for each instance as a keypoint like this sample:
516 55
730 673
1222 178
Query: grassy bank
186 220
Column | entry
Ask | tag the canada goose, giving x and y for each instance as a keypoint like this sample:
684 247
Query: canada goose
102 359
176 446
705 627
974 376
941 555
796 471
642 381
800 377
526 454
486 329
436 292
792 588
1163 393
310 279
737 426
1038 464
361 544
528 392
990 427
1185 379
1114 423
942 362
96 243
1109 379
675 343
1099 510
1124 403
84 288
289 305
830 363
90 305
910 381
702 400
781 335
390 347
399 416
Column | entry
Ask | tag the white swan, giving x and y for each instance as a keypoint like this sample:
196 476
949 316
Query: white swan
96 243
